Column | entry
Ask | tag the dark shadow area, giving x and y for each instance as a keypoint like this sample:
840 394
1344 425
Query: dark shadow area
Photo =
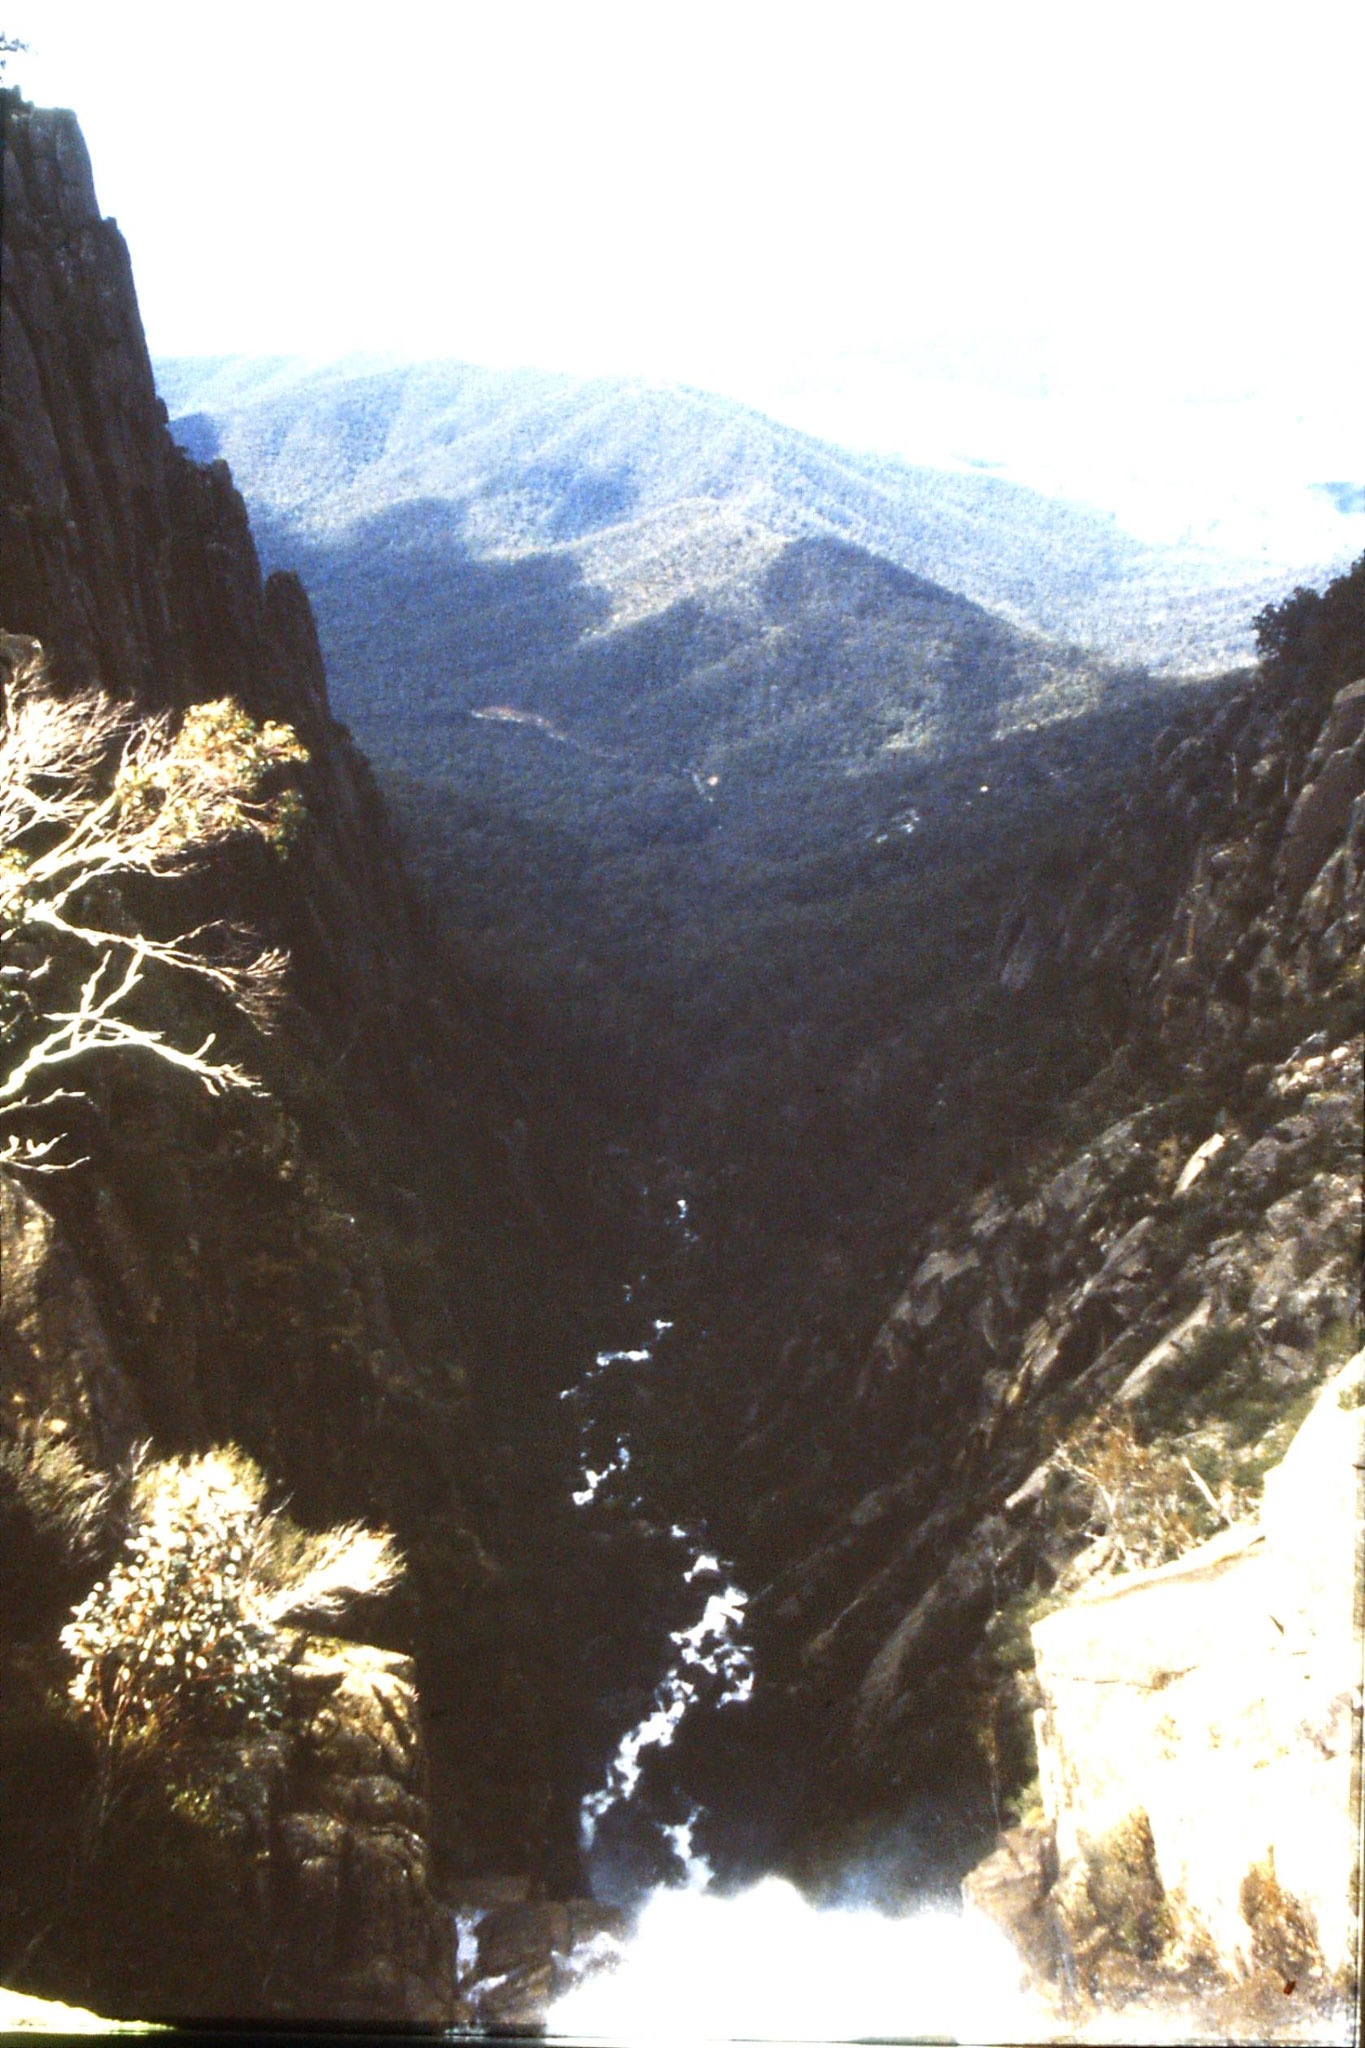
623 685
578 501
199 435
828 575
406 611
352 424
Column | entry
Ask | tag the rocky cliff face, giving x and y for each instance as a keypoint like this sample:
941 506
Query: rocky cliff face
1198 1844
131 563
331 1272
1095 1358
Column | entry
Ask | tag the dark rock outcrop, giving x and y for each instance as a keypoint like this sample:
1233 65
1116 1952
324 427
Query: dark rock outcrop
133 565
288 1875
332 1273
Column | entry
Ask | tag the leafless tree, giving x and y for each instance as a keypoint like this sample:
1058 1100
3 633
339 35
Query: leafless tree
91 798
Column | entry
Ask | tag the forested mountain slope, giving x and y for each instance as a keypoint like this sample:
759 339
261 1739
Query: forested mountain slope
716 800
717 788
646 490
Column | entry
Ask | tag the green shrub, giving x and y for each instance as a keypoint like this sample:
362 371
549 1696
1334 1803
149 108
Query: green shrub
185 1637
44 1481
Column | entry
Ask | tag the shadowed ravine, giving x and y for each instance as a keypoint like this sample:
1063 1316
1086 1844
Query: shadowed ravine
780 1189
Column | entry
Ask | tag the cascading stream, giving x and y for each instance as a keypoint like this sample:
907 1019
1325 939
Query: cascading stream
765 1963
711 1648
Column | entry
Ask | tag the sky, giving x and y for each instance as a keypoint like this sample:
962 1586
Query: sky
1110 249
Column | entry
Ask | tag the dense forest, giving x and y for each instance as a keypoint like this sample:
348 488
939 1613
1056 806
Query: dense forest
636 488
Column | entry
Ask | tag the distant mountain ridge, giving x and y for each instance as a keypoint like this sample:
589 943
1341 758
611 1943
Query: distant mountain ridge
649 573
530 459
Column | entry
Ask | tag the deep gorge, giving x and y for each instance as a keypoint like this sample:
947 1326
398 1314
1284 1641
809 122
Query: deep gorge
781 1031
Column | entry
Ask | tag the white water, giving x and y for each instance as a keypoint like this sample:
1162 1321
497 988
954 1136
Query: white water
767 1965
466 1941
711 1647
697 1872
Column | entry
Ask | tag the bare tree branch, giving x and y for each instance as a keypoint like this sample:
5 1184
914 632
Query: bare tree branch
91 796
95 1026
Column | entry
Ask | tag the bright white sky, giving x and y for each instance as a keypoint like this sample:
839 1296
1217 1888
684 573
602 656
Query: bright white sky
904 225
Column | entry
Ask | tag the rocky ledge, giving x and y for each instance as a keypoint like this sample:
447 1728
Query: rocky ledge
1198 1838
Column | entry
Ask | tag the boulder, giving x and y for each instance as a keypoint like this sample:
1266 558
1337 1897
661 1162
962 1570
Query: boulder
1212 1706
1012 1887
1317 824
532 1952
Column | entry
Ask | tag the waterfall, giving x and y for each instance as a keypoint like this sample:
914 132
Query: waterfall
764 1964
767 1965
712 1646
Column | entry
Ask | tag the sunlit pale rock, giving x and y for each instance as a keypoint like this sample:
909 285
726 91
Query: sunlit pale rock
1216 1696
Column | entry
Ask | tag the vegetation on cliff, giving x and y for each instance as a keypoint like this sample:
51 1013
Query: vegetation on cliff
325 1269
185 1636
95 804
990 1006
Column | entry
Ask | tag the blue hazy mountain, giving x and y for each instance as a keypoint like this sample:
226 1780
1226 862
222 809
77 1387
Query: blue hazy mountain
658 494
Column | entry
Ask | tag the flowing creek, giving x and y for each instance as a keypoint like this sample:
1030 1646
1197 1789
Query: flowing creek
691 1962
712 1648
683 1960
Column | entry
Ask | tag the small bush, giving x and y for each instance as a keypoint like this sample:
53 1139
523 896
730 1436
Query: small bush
53 1515
185 1636
1146 1505
1024 1806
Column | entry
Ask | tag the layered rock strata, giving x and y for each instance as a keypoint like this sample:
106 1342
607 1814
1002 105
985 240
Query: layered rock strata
1165 1277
